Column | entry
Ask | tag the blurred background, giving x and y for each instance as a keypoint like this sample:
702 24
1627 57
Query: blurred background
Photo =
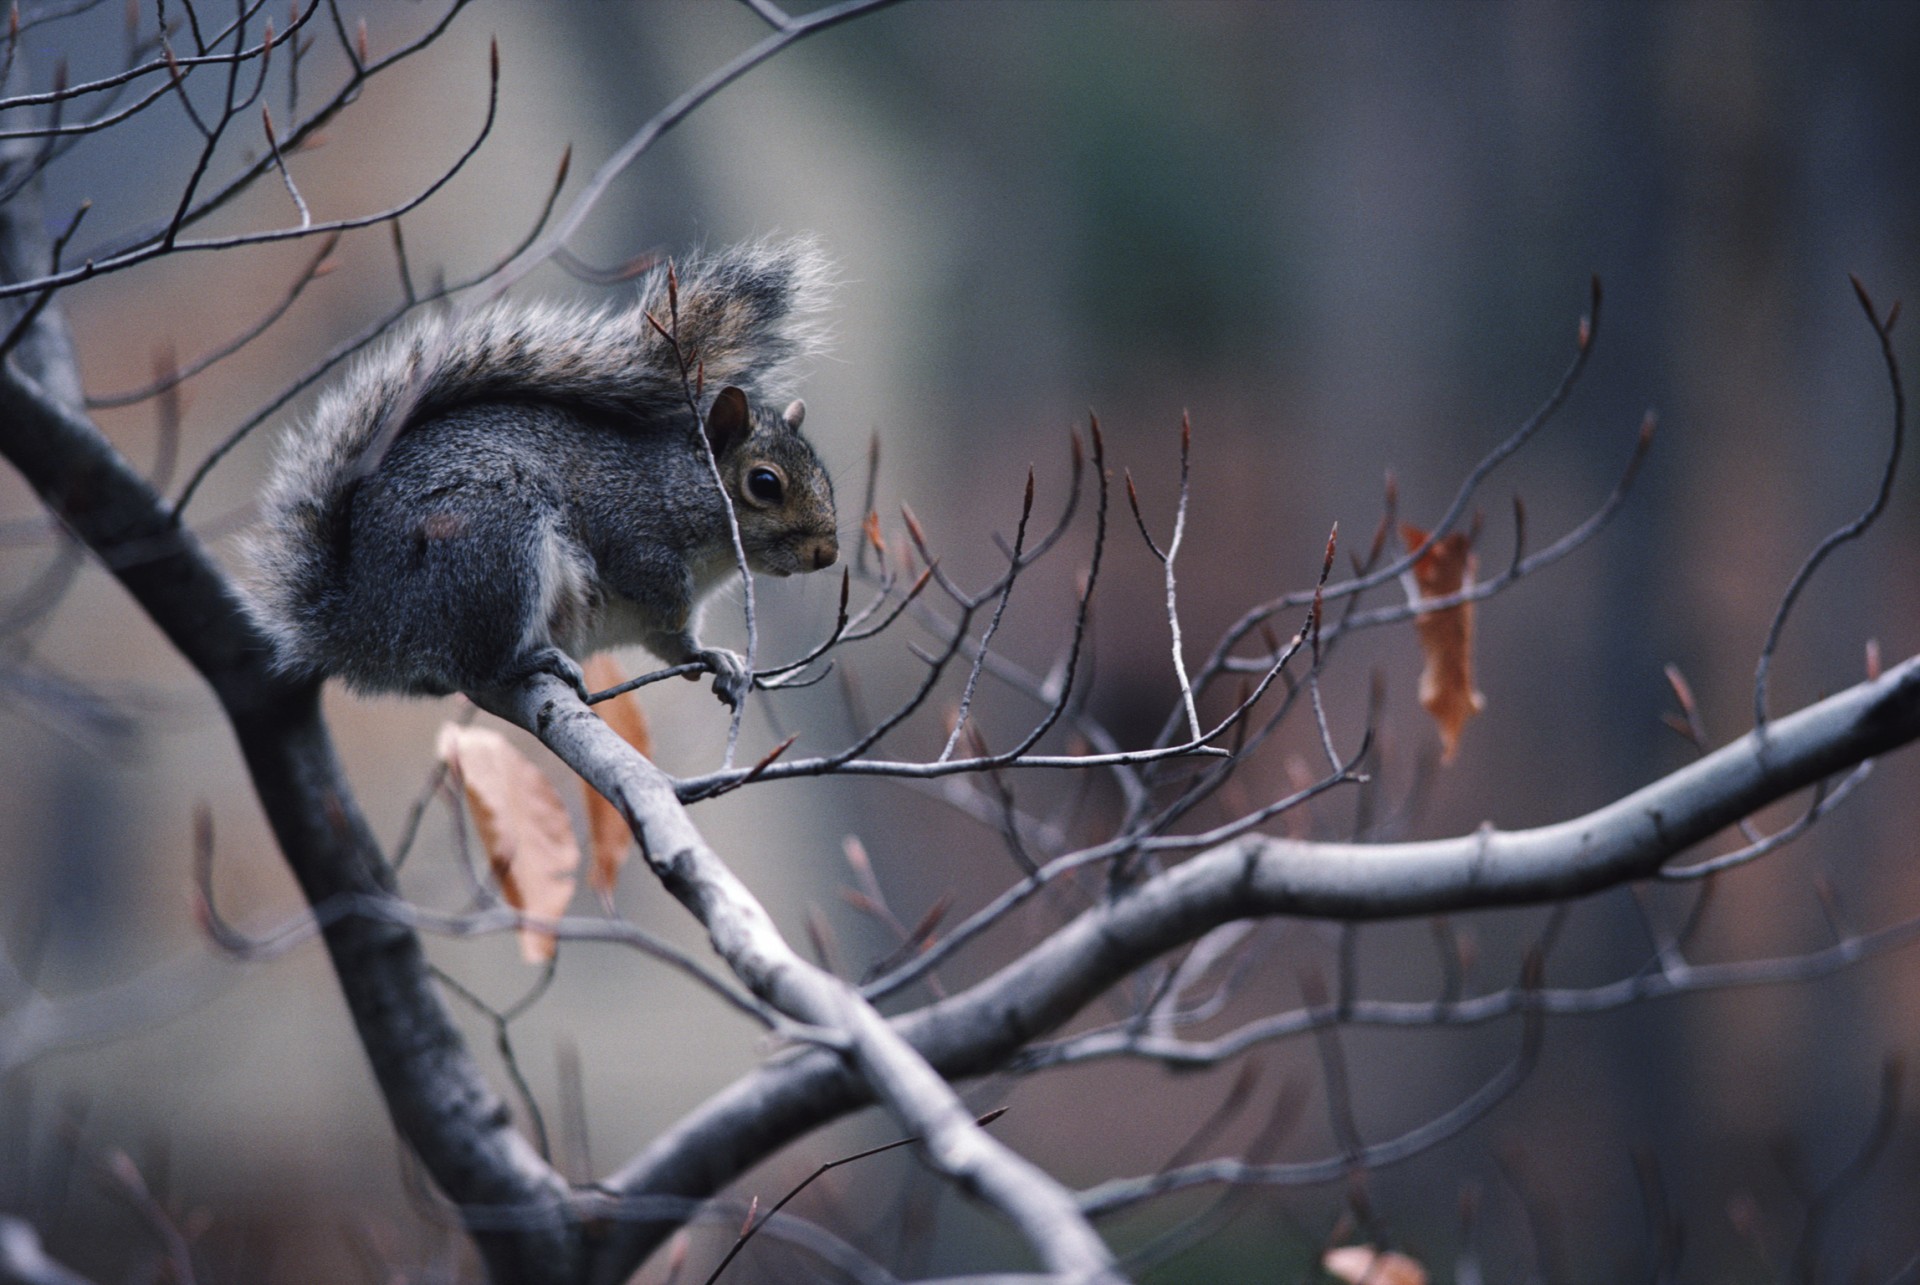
1345 241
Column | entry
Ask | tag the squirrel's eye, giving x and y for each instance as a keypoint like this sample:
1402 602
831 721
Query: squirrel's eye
763 484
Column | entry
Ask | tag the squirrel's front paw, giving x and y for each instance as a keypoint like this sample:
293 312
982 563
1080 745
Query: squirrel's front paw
731 677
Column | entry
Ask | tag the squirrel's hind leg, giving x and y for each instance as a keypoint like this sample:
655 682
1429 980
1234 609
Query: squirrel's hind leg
549 660
456 586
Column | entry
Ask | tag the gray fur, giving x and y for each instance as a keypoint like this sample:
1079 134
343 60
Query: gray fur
493 492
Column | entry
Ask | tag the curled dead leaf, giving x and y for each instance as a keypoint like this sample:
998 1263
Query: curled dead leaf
1358 1264
607 834
522 825
1446 636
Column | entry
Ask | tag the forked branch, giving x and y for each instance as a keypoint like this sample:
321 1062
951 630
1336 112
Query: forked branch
742 932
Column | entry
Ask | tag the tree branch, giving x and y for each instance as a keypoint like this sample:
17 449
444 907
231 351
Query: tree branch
438 1099
743 933
24 1262
977 1030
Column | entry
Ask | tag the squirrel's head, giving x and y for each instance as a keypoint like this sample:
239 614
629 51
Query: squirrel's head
782 497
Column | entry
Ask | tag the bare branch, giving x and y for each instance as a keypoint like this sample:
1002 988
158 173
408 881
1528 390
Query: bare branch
976 1030
1110 1197
744 935
438 1099
318 266
354 345
1252 618
174 67
754 1226
993 624
1883 331
147 244
24 1262
671 115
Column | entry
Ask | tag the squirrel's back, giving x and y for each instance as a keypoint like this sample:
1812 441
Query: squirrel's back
745 317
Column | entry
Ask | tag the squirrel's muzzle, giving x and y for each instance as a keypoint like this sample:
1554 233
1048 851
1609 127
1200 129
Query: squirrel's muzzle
817 555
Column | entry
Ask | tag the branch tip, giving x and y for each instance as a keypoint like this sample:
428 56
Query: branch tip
1866 300
1590 324
753 773
914 528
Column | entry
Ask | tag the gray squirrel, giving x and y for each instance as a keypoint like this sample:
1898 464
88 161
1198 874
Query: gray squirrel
494 494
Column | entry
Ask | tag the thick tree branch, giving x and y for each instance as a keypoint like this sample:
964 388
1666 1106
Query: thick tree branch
24 1262
745 936
977 1030
438 1099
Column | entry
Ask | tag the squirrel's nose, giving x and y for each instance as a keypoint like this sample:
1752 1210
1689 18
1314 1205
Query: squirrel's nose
825 552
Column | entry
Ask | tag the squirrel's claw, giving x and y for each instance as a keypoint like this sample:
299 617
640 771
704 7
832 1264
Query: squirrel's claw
731 677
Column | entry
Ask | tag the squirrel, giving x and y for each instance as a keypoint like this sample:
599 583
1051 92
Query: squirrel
492 495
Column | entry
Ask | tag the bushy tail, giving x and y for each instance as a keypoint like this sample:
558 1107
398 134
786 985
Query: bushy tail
745 316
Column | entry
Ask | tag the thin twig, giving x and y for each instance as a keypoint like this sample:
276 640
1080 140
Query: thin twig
753 1226
1883 331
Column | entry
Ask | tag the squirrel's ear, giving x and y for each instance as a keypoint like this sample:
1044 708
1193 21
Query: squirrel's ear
728 422
794 413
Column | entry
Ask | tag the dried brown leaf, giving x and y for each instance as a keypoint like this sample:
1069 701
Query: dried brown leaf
608 835
1446 636
522 825
1356 1264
